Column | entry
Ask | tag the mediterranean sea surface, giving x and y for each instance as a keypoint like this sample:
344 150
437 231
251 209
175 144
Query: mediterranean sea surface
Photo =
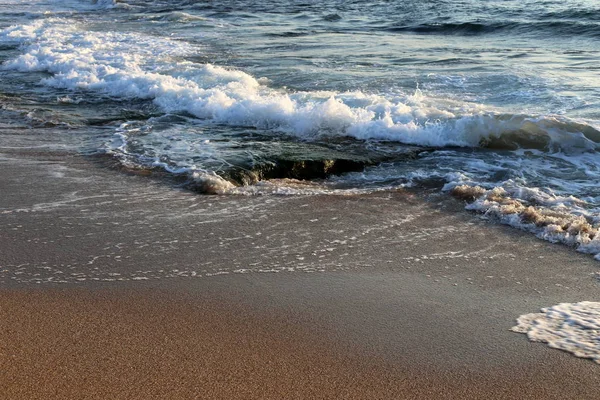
495 102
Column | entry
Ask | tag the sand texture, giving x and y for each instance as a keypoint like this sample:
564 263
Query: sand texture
116 286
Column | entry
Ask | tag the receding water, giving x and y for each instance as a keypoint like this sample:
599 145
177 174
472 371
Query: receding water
349 95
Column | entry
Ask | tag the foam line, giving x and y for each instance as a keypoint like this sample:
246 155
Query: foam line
129 65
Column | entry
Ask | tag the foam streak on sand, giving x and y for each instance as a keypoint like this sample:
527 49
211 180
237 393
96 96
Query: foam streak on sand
552 218
572 327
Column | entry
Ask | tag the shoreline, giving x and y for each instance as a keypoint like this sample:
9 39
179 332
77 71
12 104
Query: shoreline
415 297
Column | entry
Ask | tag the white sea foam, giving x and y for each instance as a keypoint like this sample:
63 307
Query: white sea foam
572 327
129 65
558 219
211 183
295 187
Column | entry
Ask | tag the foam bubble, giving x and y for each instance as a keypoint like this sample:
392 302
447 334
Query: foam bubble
557 219
130 65
210 183
466 192
572 327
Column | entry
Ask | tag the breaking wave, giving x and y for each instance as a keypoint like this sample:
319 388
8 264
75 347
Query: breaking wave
535 170
129 65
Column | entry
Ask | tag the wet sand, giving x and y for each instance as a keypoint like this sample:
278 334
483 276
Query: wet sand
119 286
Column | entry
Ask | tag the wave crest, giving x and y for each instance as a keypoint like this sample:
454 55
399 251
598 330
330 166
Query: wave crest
120 65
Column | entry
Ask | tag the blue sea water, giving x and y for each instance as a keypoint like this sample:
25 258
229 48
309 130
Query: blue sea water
498 98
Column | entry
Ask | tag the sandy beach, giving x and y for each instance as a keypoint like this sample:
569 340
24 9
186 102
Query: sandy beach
122 286
299 200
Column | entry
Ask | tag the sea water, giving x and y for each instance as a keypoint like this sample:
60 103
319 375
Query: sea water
497 102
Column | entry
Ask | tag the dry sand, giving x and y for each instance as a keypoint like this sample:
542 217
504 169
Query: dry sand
121 287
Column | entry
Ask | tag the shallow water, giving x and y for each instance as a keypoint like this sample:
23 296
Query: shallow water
351 96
